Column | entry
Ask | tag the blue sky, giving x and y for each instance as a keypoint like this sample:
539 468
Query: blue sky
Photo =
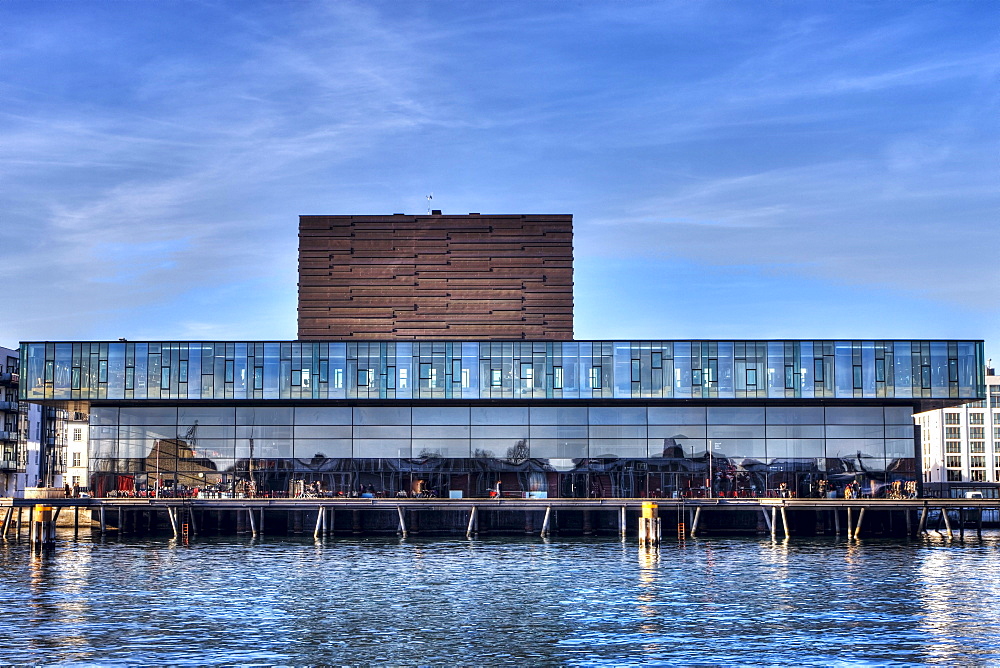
735 169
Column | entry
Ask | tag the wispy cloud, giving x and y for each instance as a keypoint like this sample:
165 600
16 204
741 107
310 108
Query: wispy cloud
153 161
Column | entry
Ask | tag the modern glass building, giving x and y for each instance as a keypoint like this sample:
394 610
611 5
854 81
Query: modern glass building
543 418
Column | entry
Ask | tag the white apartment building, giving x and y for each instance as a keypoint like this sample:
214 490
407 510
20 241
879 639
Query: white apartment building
961 446
77 439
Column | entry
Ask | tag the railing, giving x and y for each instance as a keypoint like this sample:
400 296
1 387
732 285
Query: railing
8 435
8 465
7 378
8 406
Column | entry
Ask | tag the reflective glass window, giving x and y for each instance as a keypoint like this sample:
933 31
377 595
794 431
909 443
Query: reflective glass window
493 447
898 415
609 448
258 415
441 447
382 448
318 449
382 431
735 431
148 415
441 415
854 415
382 415
559 431
104 415
499 415
189 415
320 415
323 431
794 415
795 431
797 448
617 415
551 448
558 415
735 415
617 431
854 431
515 432
677 431
440 431
693 415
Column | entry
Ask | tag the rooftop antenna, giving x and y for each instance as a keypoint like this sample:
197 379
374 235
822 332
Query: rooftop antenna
429 198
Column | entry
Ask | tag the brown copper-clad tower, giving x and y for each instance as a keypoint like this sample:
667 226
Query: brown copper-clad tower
436 277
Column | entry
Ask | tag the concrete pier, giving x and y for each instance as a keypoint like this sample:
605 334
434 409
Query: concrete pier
781 518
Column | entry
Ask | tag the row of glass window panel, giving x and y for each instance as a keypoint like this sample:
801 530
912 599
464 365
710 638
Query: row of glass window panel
936 371
395 464
511 431
540 448
503 415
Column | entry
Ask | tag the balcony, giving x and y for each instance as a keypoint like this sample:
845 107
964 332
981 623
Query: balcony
9 378
8 465
10 406
8 436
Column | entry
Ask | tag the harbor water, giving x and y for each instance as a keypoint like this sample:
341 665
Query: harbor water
242 601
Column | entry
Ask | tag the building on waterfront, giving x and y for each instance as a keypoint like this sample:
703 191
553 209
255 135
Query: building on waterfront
960 445
10 418
32 438
474 277
575 418
435 357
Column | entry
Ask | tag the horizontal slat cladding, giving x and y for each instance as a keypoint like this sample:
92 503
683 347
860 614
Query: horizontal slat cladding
436 276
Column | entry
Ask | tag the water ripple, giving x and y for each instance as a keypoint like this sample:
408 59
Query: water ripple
501 601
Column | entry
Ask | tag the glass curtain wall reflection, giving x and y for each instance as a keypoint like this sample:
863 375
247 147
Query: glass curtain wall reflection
503 370
614 451
573 418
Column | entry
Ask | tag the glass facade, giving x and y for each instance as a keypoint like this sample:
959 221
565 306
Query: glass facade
542 418
255 370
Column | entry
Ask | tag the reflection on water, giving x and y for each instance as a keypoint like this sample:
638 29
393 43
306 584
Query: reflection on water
503 601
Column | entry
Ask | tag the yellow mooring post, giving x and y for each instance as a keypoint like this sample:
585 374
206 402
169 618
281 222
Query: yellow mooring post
649 524
43 527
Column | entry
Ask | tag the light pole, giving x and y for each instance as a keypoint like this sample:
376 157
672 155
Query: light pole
709 481
157 488
711 468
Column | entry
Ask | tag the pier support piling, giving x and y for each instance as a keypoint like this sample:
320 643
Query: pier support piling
546 521
861 518
402 521
767 520
172 513
922 523
947 522
784 522
319 523
473 527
